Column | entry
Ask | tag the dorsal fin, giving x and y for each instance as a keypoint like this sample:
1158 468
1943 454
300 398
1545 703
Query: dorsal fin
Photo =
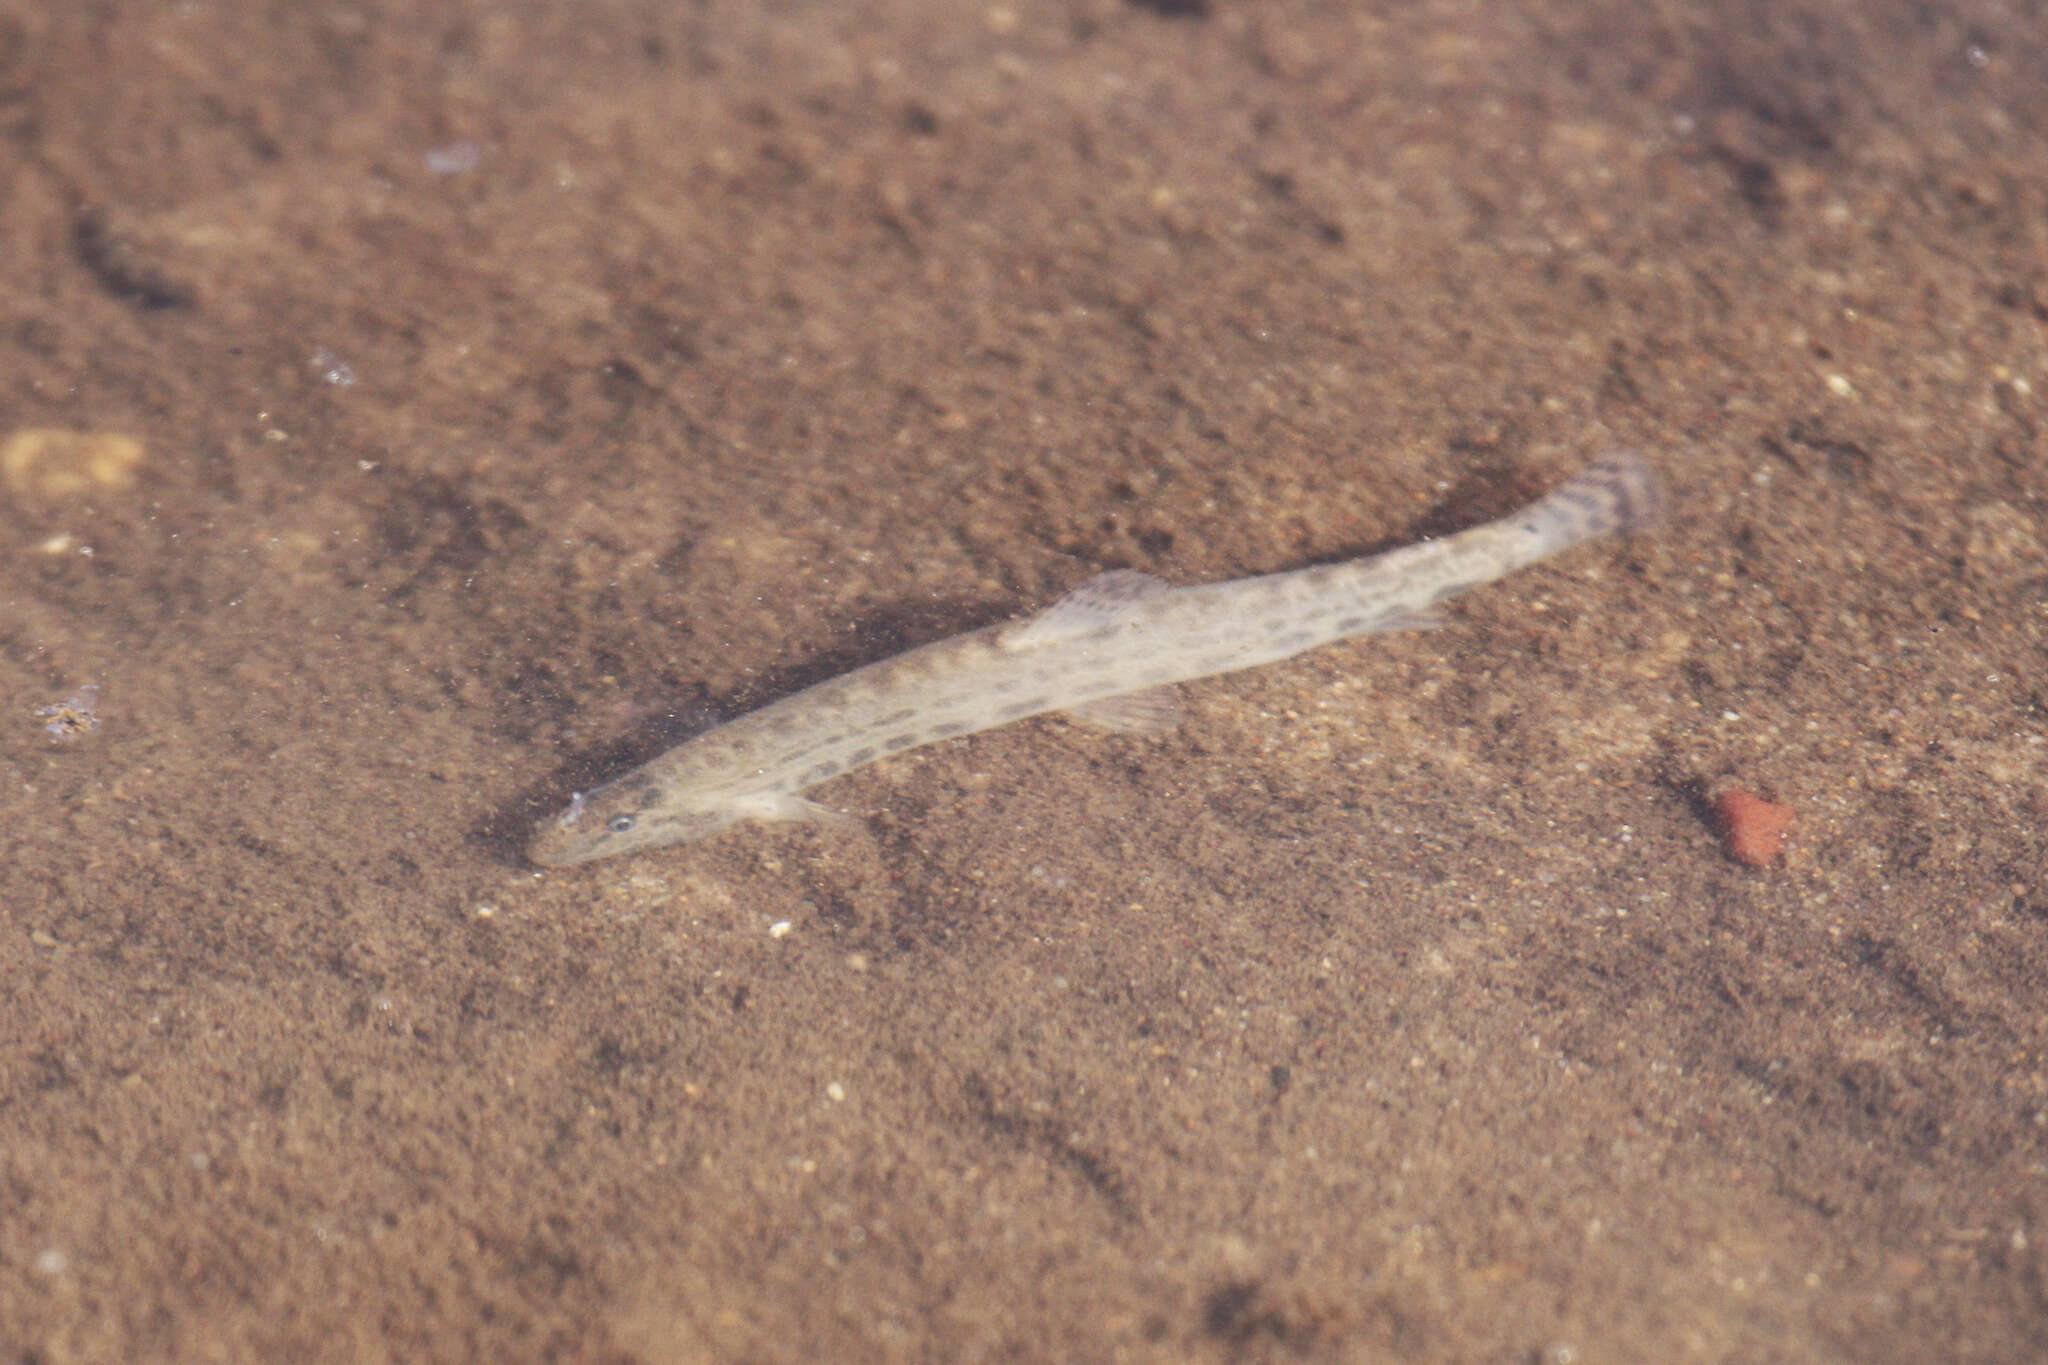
1106 600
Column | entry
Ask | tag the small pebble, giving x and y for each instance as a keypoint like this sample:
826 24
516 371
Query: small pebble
454 158
1752 829
57 463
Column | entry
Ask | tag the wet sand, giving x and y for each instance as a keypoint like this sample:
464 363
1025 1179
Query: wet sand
406 421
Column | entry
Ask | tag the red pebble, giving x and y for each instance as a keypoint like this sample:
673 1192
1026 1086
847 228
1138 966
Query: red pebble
1752 829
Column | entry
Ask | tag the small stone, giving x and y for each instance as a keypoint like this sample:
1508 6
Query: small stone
1752 829
51 462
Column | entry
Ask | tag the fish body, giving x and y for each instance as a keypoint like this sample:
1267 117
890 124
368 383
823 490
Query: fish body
1108 652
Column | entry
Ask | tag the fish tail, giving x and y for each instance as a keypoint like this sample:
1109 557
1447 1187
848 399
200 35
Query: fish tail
1615 494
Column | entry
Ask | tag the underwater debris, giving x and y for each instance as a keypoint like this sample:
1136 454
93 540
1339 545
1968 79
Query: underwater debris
76 715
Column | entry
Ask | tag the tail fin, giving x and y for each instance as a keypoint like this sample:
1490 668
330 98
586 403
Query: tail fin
1617 493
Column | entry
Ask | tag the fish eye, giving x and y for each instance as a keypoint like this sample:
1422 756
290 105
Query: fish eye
619 824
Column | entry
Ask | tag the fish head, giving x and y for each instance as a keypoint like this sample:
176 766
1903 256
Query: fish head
621 817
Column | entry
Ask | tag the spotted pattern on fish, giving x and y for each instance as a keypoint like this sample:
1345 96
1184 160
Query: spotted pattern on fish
1108 652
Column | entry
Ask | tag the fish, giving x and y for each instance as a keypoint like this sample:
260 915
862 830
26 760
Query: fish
1109 653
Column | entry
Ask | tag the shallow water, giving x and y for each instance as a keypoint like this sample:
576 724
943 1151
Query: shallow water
513 389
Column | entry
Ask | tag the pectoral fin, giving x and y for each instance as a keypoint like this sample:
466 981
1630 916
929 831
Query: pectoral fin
1149 711
789 807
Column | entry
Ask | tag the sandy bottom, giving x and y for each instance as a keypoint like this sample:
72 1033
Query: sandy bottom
411 414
